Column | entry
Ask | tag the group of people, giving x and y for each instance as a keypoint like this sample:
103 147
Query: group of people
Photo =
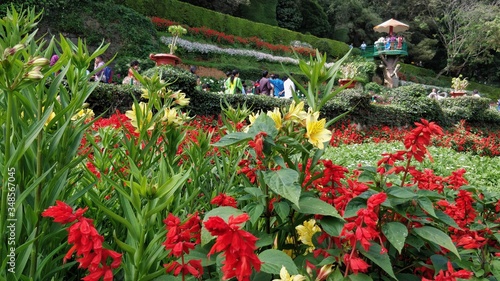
269 85
390 42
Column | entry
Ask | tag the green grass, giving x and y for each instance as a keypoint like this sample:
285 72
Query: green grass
481 171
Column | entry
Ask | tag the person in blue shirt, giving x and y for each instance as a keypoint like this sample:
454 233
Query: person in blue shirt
279 87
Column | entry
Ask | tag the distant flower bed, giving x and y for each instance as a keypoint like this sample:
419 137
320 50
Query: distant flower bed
222 38
208 48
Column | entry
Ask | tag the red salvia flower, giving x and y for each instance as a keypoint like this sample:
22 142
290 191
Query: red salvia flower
450 274
237 245
419 138
224 200
258 144
180 239
87 243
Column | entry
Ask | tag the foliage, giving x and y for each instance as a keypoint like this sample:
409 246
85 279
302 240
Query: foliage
321 79
349 70
461 29
176 31
41 109
131 33
459 83
288 14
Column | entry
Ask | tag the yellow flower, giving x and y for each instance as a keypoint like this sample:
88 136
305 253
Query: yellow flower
276 116
296 112
145 117
145 93
306 232
182 100
51 116
86 113
171 117
325 270
285 276
253 117
316 132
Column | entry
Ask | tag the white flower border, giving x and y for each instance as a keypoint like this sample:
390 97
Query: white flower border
208 48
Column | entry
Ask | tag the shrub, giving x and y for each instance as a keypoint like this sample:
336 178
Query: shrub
181 79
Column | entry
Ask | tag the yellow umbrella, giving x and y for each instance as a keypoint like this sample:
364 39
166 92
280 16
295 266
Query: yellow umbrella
391 26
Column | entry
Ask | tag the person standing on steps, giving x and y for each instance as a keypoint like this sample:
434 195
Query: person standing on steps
265 87
278 86
235 83
289 87
98 64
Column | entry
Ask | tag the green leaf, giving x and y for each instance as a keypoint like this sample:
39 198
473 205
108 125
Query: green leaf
359 277
382 260
368 174
284 183
273 260
331 225
224 213
313 205
439 262
442 216
263 123
353 207
282 209
426 205
233 138
495 268
254 210
396 233
398 192
434 235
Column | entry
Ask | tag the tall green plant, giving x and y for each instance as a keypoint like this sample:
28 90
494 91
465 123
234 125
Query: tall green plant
321 80
38 104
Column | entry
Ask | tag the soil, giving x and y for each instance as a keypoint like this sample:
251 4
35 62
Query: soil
206 71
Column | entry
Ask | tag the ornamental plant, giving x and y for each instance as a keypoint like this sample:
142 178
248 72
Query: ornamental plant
349 70
176 31
41 134
459 83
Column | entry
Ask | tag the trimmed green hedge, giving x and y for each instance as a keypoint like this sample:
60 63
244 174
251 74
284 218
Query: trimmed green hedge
409 103
194 16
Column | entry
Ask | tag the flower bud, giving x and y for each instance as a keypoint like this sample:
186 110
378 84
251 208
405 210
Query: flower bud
34 74
38 61
326 270
13 50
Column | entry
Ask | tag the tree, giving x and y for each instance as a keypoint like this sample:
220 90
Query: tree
460 26
288 14
315 20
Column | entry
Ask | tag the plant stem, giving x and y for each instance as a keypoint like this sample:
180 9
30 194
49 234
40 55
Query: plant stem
3 208
38 191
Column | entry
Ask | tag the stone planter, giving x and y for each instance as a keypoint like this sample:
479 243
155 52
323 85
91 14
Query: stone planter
343 82
164 59
455 94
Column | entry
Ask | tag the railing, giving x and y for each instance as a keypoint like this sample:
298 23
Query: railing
375 50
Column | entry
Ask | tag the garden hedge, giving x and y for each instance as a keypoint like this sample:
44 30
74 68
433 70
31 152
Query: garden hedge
409 103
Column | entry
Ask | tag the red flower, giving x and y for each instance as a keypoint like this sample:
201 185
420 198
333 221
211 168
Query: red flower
224 200
237 245
355 263
258 144
180 239
87 243
63 213
451 274
420 137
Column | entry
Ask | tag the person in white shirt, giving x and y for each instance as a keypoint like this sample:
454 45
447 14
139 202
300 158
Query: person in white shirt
289 87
